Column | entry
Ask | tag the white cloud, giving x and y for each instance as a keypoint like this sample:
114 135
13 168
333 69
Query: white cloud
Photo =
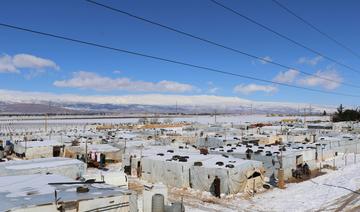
212 88
90 80
12 64
330 74
33 62
262 60
6 65
266 59
310 61
251 88
287 76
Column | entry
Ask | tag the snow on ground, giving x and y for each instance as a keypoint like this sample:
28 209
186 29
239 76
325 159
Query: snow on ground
338 189
313 194
200 119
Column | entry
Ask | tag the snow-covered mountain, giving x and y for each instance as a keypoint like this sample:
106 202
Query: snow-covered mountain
35 102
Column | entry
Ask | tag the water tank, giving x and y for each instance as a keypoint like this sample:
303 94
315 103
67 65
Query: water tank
157 203
149 191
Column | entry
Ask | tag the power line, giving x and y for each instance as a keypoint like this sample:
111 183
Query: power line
284 36
197 67
317 29
218 44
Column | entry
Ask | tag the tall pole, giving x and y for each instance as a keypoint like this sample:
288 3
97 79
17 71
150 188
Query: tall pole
215 116
46 122
355 153
86 151
25 145
281 182
287 135
125 145
176 108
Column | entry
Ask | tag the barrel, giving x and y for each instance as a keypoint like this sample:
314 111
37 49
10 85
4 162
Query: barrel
157 203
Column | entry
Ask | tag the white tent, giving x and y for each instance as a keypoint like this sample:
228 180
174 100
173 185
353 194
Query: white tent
183 168
37 149
62 166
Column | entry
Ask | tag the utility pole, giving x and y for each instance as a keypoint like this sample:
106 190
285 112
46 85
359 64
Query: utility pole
176 108
355 153
25 145
281 182
298 111
46 117
215 116
125 146
197 113
287 135
86 151
46 122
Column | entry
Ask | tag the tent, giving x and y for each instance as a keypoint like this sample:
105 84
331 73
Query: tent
185 168
62 166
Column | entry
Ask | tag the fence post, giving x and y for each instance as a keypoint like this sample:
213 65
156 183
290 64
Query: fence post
345 159
254 187
355 153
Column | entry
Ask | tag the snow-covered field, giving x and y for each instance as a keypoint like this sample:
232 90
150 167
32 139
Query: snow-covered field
201 119
336 191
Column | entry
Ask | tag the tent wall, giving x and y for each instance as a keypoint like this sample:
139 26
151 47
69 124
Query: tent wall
288 161
34 152
113 156
183 175
171 174
71 170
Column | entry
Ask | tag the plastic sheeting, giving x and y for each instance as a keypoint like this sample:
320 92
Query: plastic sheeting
232 181
61 166
157 168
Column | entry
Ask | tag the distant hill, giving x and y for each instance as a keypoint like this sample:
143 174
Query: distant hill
32 108
36 102
92 108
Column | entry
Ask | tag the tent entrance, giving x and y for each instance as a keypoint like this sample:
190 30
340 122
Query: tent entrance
56 151
138 169
254 182
254 175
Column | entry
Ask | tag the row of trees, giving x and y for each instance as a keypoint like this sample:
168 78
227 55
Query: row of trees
343 114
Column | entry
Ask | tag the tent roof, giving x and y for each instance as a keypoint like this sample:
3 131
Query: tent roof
30 190
208 160
38 163
31 144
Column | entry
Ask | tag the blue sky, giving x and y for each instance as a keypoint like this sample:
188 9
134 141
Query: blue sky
84 70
